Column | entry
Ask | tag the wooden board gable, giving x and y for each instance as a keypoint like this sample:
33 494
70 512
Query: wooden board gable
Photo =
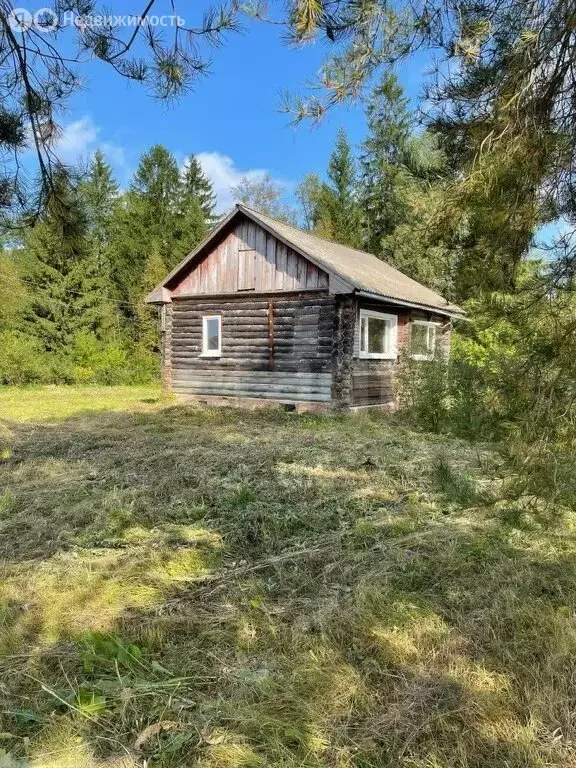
244 259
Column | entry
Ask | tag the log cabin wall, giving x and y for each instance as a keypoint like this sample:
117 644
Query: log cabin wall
373 382
275 346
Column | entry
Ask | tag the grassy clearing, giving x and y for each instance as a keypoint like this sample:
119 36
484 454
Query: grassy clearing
218 588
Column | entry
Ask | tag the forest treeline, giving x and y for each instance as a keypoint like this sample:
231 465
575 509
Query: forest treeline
74 283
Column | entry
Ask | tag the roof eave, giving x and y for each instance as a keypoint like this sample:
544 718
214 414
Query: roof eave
159 295
452 311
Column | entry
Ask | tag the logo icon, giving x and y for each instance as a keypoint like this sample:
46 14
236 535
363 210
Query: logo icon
43 20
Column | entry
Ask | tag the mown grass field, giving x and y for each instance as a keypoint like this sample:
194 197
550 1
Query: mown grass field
220 588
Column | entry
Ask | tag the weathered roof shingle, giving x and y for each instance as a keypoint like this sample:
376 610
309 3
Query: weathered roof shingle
363 270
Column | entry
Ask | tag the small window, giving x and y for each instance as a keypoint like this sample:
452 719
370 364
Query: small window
378 335
423 340
211 335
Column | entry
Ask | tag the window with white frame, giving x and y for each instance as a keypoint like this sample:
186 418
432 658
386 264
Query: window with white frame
211 335
423 339
378 335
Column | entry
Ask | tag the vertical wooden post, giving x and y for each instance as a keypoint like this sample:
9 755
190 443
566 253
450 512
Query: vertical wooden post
271 334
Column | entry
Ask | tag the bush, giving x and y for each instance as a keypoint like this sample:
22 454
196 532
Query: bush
449 395
23 360
88 360
92 361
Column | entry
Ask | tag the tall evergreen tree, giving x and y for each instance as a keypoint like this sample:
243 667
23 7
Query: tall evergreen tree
12 292
155 214
338 213
68 292
99 192
198 186
382 162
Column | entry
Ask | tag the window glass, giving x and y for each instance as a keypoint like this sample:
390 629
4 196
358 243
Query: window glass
211 336
212 333
377 335
419 339
423 342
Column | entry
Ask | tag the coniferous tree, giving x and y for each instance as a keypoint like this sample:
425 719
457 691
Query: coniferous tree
155 214
155 194
338 213
198 186
68 293
382 162
99 192
13 294
191 227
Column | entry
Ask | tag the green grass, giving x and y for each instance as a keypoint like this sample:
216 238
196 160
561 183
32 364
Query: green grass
36 403
216 588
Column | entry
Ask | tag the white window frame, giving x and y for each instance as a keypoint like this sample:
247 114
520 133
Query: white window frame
428 324
391 331
211 352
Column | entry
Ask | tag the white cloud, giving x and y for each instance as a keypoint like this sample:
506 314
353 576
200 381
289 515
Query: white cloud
80 139
76 139
223 174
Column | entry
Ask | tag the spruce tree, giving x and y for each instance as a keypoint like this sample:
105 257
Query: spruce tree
147 218
382 162
67 291
338 213
155 192
192 227
155 215
99 192
13 294
198 186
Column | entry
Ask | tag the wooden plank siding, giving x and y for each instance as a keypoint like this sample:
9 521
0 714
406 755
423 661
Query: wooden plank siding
249 259
272 347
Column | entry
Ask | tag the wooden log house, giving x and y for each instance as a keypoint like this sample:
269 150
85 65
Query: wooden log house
263 311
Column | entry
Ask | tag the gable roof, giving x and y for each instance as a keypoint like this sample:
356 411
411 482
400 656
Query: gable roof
363 272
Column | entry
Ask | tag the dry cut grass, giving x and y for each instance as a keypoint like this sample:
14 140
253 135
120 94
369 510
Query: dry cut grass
219 588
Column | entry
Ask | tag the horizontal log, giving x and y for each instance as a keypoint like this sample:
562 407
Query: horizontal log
227 320
209 385
269 395
280 362
255 364
292 307
229 313
250 300
288 309
256 317
266 375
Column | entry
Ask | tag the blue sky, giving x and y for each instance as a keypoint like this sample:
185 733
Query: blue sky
231 120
